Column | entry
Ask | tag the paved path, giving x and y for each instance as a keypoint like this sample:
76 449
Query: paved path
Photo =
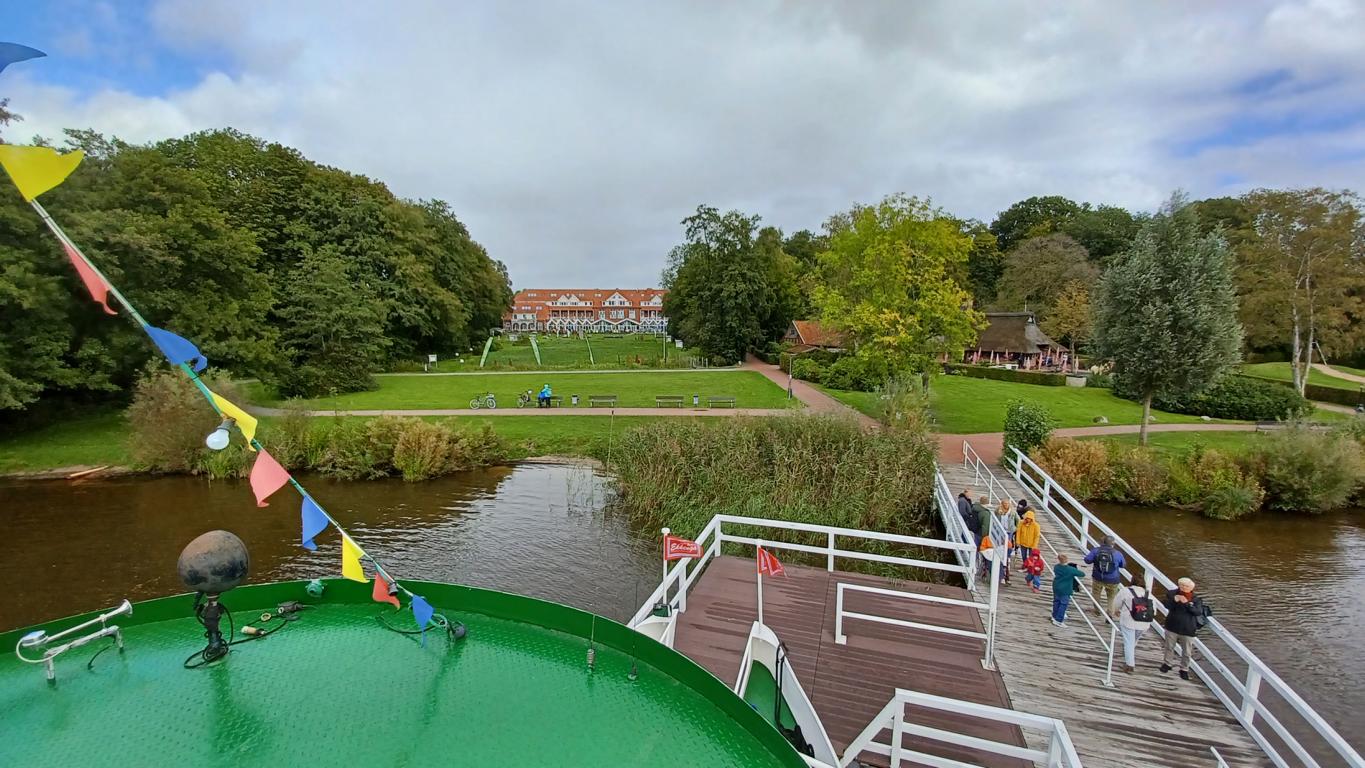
1330 371
990 445
815 400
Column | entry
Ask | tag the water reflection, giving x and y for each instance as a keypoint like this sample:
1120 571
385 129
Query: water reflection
538 530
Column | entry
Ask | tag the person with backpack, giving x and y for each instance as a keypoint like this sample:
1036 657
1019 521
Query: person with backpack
1065 578
1107 560
1028 535
1133 609
966 508
1185 614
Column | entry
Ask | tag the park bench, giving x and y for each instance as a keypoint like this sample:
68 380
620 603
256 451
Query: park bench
720 401
595 401
668 401
556 401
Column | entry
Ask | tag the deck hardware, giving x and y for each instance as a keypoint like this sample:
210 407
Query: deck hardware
40 639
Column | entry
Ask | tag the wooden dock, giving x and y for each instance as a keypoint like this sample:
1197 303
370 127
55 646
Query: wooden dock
850 684
1146 719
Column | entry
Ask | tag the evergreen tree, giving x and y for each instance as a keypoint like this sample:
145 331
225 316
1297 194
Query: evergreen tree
1166 314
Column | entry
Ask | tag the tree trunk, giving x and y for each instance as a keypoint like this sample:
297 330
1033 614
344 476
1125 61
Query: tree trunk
1146 416
1298 375
1074 366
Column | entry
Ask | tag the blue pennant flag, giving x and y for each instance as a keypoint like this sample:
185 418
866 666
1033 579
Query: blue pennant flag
422 611
177 349
12 53
314 522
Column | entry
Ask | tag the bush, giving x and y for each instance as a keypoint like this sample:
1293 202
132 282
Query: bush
1027 426
861 373
422 450
292 438
1235 397
1005 374
808 369
169 419
1305 470
1214 483
1137 476
1081 466
904 404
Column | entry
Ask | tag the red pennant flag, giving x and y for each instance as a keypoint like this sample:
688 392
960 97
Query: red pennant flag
381 592
99 291
676 548
267 476
767 563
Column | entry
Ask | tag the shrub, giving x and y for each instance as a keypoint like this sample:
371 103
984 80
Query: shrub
1305 470
422 450
357 450
1005 374
1081 466
808 369
904 404
293 439
1027 426
169 419
1137 476
861 373
1236 397
1214 483
1232 501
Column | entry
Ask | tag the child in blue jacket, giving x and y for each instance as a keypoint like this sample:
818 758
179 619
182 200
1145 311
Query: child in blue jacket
1065 578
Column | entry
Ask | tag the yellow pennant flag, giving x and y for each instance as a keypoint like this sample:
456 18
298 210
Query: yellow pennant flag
35 170
245 421
350 560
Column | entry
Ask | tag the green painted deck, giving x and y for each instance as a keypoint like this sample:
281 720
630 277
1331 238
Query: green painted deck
336 687
761 694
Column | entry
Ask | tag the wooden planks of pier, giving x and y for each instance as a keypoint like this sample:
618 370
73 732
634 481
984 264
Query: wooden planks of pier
850 684
1147 719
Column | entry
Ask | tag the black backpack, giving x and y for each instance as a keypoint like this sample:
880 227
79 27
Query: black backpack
1104 560
1141 609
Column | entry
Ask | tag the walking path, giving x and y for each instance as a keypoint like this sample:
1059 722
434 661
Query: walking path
1147 718
815 400
990 445
1330 371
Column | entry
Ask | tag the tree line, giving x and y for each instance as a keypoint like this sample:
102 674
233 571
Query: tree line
305 276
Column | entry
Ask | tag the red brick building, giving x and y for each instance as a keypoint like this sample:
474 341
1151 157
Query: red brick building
595 310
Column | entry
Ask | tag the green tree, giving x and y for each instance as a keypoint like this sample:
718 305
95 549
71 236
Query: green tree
1033 217
1166 313
1302 276
1102 231
1070 317
985 264
731 287
1037 271
886 282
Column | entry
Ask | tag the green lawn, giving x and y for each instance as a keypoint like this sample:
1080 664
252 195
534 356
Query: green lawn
964 405
867 403
91 439
633 390
1281 372
571 352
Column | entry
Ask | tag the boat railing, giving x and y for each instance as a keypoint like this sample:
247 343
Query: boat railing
1242 690
1059 752
980 470
840 613
956 530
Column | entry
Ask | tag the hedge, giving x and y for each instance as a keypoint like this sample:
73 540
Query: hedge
1247 398
1335 395
1005 374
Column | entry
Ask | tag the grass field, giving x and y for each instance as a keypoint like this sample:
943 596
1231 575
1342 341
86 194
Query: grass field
963 405
99 438
866 403
633 390
1281 372
571 352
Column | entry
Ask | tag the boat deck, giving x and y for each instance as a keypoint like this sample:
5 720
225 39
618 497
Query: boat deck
850 684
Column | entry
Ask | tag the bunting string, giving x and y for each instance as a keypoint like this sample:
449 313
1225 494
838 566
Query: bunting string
35 170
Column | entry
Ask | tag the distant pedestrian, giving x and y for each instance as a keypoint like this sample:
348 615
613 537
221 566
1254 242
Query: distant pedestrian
1033 570
1065 577
982 513
543 399
1134 610
1021 507
1185 614
1107 560
1028 535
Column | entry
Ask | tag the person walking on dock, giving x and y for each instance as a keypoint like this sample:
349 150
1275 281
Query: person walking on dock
1065 577
1107 560
1133 609
1185 614
1033 570
1028 535
966 508
1010 522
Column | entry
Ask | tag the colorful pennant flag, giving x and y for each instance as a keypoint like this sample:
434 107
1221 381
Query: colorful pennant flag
99 290
350 560
35 170
13 53
267 476
383 593
245 421
767 563
422 611
177 349
314 522
676 548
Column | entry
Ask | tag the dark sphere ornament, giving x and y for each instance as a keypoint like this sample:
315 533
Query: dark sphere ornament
214 563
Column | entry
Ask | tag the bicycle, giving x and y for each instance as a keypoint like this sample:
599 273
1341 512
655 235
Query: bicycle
486 400
524 399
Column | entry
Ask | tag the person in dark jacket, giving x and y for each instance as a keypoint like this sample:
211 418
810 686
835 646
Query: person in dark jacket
1185 613
1065 578
1107 560
968 510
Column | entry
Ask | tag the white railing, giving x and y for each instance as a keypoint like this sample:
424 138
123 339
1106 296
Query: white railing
678 579
1242 693
987 659
994 490
955 529
1060 752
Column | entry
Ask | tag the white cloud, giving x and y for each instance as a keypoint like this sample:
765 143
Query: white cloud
572 138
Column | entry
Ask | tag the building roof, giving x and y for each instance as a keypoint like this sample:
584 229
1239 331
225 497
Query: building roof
1014 332
542 300
813 334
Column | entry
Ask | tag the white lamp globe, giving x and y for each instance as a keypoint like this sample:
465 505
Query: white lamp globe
218 439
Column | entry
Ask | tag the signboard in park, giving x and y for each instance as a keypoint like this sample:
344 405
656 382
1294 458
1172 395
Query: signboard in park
431 358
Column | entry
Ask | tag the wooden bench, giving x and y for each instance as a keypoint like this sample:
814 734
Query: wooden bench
602 400
720 401
556 401
668 401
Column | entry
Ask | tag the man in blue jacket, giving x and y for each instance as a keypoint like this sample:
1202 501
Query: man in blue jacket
1107 560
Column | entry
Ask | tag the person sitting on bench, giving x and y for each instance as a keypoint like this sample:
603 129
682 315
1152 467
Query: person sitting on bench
544 397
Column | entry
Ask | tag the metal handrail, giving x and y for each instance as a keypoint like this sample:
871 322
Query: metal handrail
973 459
1249 708
840 614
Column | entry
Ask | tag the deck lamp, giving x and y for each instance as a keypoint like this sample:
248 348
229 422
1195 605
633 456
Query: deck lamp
219 438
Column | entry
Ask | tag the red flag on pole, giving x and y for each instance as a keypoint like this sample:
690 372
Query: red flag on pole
99 290
676 548
381 592
267 476
767 563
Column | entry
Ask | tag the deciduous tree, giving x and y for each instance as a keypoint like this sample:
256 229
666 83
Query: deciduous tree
1070 317
1037 271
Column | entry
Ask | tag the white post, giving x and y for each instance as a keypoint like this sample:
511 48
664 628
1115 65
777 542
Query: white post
839 616
1250 692
989 661
665 532
829 566
759 574
1109 666
897 723
682 586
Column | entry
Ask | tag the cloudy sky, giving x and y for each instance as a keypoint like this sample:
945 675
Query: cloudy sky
572 137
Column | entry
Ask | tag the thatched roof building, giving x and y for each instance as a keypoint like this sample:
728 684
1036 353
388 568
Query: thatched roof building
1015 337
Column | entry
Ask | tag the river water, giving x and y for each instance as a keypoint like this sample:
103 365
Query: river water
534 529
1292 588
